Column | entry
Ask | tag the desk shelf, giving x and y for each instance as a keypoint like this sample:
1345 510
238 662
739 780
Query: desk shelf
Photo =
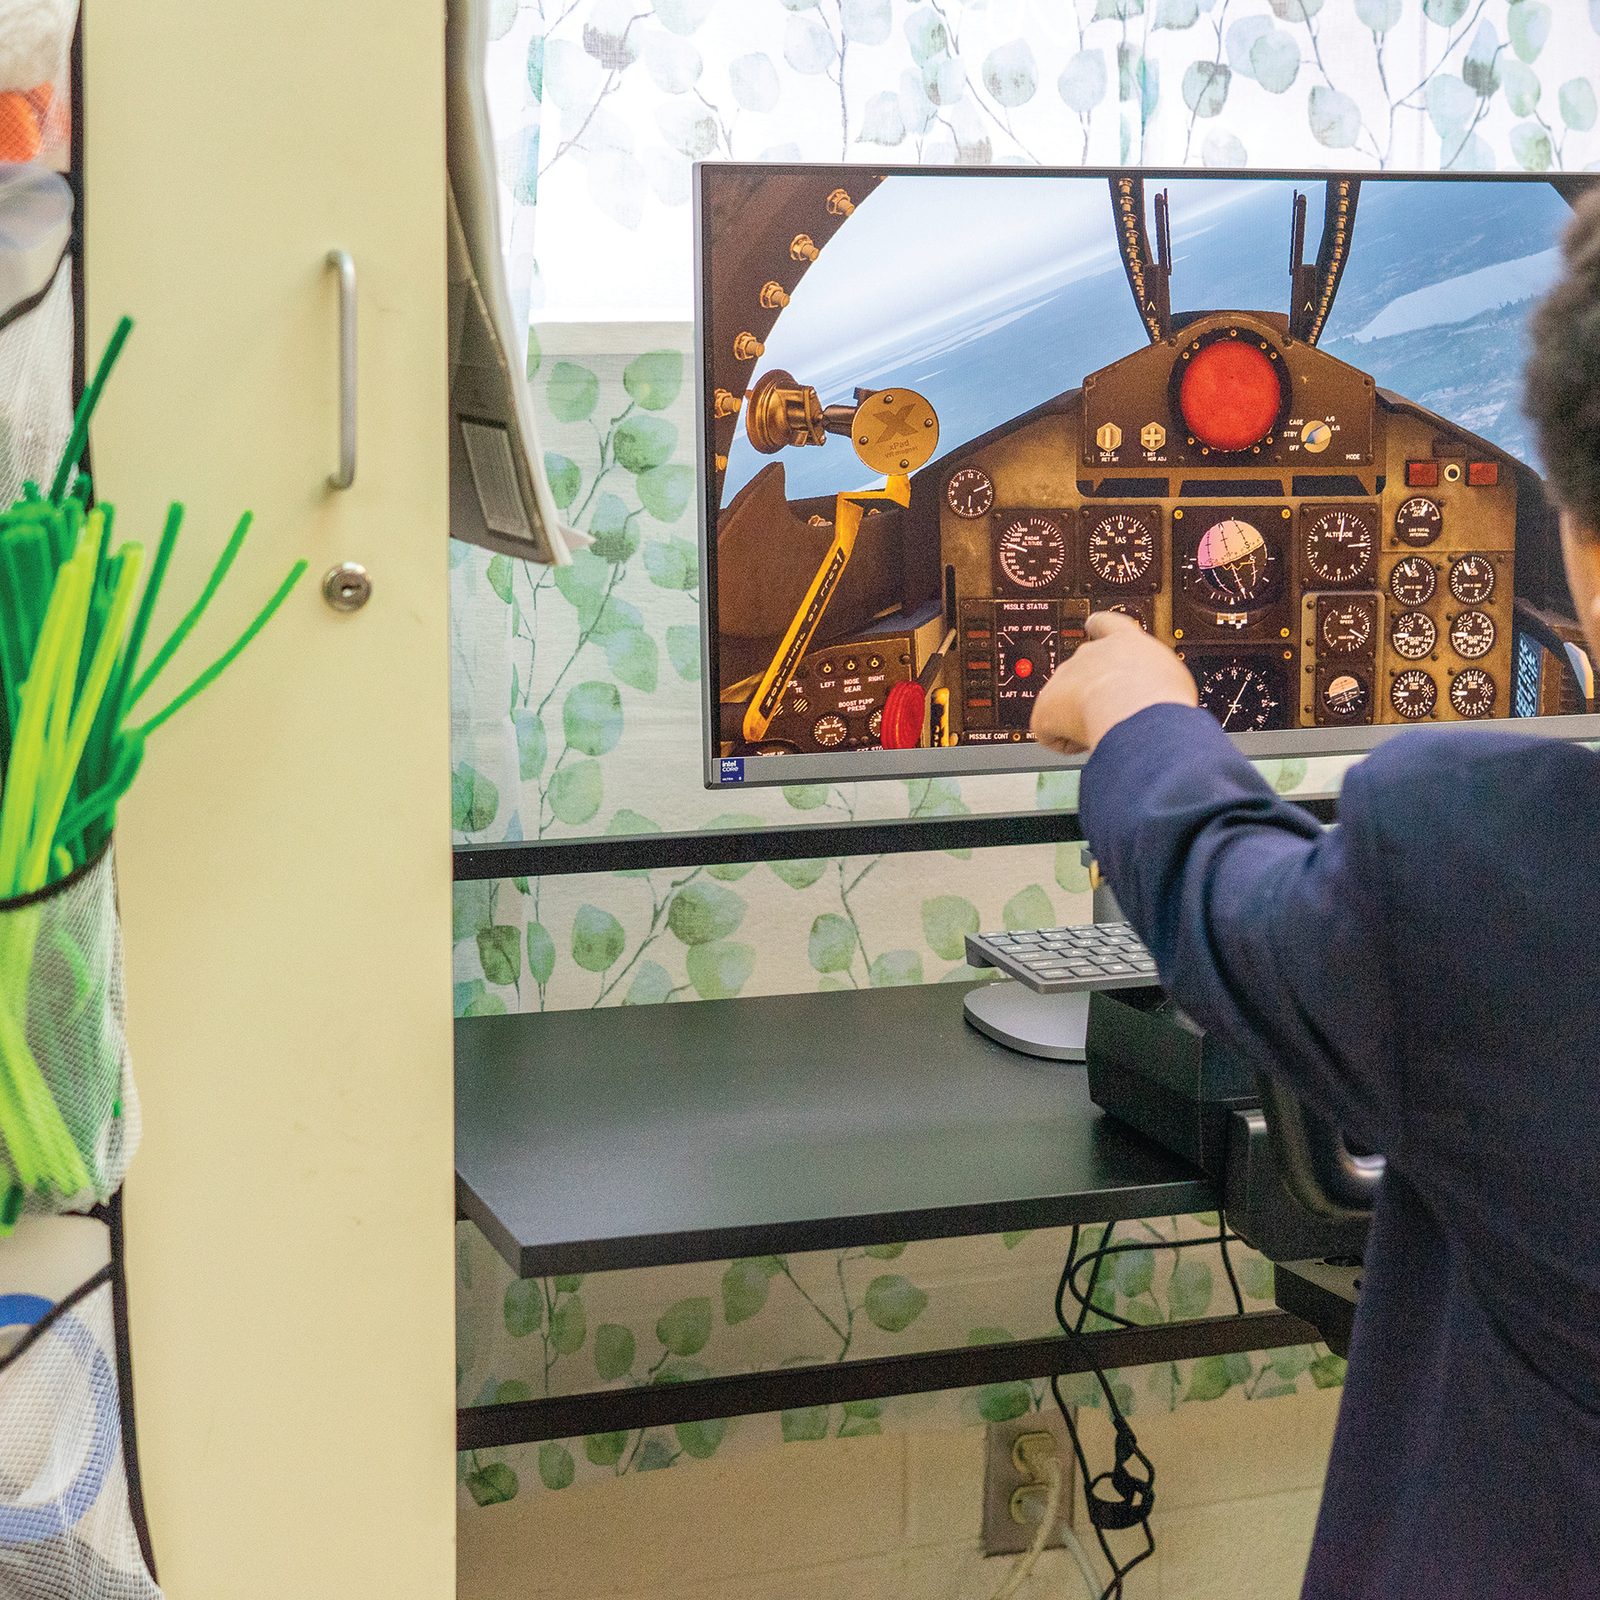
589 1141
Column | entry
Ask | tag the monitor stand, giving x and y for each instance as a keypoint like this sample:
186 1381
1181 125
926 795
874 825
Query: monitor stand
1052 1027
1049 1027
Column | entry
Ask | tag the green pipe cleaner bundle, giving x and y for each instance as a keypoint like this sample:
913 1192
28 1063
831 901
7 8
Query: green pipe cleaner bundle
74 674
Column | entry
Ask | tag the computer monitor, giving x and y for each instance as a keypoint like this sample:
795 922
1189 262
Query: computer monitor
947 413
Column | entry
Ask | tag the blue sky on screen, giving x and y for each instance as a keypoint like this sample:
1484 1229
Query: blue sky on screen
991 294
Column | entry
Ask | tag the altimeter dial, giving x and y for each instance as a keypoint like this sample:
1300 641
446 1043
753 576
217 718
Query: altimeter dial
1339 545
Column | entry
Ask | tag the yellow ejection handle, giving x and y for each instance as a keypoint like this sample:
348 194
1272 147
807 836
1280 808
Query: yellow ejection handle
848 512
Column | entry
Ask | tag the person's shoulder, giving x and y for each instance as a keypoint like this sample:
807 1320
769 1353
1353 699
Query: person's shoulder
1438 773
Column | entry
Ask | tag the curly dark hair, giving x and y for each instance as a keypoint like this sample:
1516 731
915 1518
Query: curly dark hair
1563 374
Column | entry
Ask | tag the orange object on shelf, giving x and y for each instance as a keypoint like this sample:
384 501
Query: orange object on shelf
23 115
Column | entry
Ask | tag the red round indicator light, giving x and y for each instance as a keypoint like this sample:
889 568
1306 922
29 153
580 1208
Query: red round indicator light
1024 668
1230 396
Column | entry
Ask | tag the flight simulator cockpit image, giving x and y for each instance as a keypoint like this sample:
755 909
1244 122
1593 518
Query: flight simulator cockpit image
1275 418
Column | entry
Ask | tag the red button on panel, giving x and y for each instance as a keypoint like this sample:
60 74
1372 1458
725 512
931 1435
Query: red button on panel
1422 474
1483 474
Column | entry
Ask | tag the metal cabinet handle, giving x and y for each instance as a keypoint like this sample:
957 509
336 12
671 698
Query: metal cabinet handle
344 264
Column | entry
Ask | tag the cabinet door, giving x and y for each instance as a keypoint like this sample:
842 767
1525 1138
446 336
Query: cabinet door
285 855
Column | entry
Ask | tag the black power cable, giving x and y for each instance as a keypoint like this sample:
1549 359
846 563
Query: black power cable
1122 1497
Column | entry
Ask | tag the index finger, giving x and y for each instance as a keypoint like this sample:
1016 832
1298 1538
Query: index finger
1101 624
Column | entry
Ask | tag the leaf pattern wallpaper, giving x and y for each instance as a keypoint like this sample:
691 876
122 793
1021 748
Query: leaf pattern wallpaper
575 700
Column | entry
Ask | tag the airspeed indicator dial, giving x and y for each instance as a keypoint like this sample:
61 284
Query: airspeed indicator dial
1339 545
1031 551
1414 694
970 492
1122 548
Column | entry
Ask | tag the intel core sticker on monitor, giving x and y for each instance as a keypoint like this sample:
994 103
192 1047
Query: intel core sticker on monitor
1276 419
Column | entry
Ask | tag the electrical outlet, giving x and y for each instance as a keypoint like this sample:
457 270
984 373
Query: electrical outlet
1003 1534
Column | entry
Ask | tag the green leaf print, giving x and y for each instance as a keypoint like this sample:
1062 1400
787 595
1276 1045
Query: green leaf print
597 939
653 379
685 1327
893 1302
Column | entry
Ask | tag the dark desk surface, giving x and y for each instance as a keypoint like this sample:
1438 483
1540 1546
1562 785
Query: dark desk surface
641 1136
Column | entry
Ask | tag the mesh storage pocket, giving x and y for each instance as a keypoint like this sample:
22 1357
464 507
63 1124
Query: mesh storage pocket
62 1032
36 327
65 1529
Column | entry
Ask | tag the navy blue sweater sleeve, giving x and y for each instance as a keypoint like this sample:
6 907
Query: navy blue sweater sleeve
1267 928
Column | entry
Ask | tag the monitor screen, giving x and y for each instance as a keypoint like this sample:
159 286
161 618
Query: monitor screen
1275 417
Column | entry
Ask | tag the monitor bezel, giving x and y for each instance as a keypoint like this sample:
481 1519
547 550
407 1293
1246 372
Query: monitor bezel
1025 756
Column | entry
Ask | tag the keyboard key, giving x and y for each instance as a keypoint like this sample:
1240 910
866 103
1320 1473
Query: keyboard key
1082 956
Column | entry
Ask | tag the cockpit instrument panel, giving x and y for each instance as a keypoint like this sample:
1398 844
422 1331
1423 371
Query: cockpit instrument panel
1247 480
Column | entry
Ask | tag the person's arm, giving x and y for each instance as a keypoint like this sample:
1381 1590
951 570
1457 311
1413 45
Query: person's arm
1268 930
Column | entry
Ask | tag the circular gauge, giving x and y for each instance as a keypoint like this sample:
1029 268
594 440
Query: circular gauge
1472 580
1239 696
969 493
1122 548
875 723
1419 521
1346 695
1136 612
1345 627
1032 552
1232 392
1233 561
1413 581
1412 635
1339 545
1472 635
1414 694
1472 693
829 731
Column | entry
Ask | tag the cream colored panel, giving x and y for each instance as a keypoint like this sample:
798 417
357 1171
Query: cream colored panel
285 855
